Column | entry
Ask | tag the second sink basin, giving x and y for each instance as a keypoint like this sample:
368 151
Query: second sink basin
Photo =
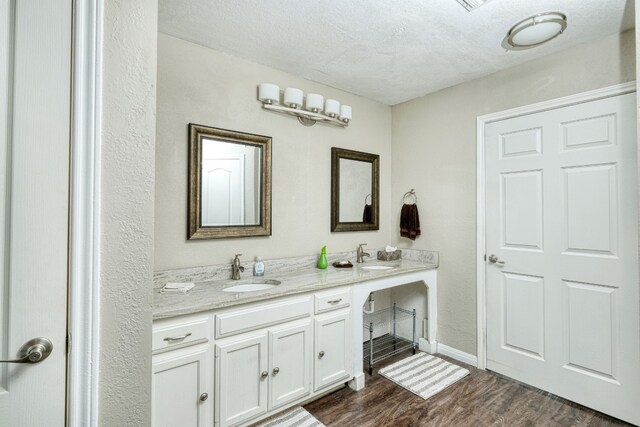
252 287
376 267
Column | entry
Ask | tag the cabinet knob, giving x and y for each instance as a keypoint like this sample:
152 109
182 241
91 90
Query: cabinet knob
321 354
276 370
264 374
204 396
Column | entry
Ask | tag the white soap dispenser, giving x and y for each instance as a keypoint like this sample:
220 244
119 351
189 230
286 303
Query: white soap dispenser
258 267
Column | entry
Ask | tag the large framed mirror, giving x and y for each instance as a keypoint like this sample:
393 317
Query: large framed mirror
229 183
355 204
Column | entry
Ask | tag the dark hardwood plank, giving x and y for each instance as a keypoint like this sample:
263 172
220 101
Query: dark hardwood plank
482 399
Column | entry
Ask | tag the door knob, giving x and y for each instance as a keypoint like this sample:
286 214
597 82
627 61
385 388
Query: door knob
264 374
33 351
321 354
276 370
493 259
204 396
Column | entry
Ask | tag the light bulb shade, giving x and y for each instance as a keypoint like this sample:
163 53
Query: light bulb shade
293 97
315 102
536 34
268 92
331 107
345 112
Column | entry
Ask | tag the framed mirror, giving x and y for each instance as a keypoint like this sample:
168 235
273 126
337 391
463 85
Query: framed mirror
229 184
355 185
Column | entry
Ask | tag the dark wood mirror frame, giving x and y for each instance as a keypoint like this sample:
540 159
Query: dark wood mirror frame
195 229
374 159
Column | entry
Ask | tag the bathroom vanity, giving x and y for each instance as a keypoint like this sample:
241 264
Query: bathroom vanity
233 358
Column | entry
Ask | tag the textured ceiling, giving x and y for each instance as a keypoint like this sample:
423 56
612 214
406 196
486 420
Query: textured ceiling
388 51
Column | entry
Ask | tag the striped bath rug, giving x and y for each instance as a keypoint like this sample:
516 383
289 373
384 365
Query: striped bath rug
296 416
423 374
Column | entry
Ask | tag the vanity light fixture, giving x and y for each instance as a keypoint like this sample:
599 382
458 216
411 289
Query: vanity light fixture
535 30
313 109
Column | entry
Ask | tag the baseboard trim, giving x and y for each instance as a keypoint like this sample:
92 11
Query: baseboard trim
458 355
427 346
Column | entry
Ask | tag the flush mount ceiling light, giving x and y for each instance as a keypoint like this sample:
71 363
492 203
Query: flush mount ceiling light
535 30
316 109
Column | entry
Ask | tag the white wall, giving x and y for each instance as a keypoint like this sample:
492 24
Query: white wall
203 86
434 151
128 100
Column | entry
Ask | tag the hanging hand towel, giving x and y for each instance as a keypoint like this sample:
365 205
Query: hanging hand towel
409 221
367 215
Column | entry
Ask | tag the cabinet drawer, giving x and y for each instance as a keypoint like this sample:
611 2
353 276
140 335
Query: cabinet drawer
170 334
328 301
249 319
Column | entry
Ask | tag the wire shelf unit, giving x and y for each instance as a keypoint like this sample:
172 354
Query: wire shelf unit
387 345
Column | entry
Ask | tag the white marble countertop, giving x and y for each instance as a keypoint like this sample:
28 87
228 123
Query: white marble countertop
208 295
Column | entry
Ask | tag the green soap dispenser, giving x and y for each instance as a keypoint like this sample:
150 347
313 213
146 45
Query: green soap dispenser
322 261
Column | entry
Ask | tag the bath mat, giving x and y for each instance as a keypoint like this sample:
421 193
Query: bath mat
423 374
296 416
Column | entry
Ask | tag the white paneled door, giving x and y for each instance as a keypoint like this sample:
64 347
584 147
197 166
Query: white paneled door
562 253
35 61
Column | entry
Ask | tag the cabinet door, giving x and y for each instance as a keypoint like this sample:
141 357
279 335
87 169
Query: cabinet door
180 379
290 363
332 349
241 380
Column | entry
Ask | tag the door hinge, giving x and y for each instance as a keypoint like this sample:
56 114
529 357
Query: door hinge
68 343
485 257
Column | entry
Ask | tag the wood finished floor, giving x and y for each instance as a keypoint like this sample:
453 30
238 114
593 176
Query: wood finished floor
481 399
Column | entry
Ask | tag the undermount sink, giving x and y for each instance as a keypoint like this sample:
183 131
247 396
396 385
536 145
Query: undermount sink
252 287
377 267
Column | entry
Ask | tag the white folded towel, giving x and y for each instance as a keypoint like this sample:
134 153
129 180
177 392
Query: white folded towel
177 287
390 248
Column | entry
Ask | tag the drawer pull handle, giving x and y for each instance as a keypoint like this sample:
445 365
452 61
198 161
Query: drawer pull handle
335 301
276 370
321 354
180 338
264 374
204 396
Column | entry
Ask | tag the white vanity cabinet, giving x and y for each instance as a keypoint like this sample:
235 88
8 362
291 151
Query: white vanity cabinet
241 375
332 337
233 366
263 371
290 361
180 394
332 349
182 381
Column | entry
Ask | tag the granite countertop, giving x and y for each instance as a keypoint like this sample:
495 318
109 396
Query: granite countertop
208 294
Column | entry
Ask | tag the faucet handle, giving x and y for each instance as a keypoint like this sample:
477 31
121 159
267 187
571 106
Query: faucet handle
363 244
238 256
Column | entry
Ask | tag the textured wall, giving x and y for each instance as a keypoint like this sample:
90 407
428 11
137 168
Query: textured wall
200 85
434 151
126 208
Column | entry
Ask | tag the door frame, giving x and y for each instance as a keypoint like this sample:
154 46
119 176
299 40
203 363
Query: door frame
84 216
481 122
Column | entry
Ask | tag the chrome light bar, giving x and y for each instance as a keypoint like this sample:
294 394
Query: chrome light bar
317 110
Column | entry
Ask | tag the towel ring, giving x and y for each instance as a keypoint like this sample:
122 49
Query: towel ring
367 196
411 193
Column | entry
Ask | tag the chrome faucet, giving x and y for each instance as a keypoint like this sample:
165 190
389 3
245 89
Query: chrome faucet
236 268
360 253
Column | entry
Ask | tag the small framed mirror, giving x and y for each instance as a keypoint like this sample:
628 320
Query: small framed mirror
229 184
354 190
